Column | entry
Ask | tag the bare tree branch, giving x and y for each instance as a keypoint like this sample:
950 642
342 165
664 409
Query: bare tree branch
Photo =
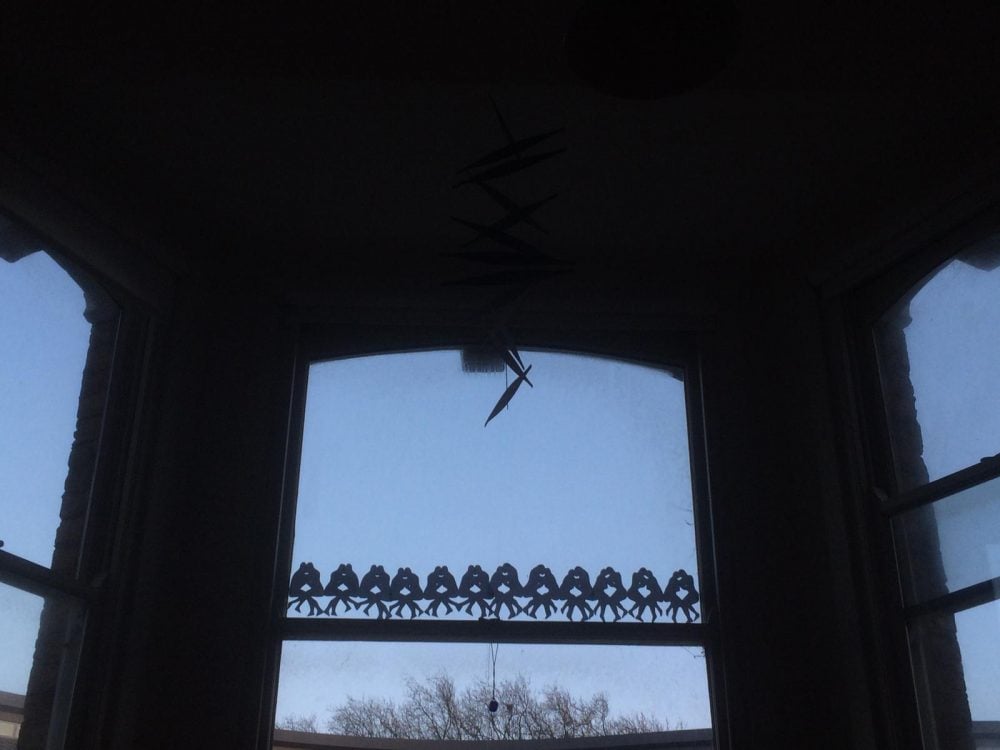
435 709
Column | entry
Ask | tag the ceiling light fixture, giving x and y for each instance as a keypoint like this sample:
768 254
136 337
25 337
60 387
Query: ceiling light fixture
647 49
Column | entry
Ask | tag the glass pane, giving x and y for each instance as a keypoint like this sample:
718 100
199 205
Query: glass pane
18 631
573 503
957 664
443 691
939 360
950 544
44 340
40 640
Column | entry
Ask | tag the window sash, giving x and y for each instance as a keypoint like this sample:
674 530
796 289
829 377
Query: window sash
37 579
666 350
318 342
855 312
939 489
91 579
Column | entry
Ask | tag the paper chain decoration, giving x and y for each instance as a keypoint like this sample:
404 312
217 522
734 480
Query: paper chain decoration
497 595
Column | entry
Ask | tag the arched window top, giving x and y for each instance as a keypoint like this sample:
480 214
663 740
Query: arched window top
45 337
939 359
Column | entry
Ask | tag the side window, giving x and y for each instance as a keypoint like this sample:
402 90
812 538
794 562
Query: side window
541 578
57 338
938 363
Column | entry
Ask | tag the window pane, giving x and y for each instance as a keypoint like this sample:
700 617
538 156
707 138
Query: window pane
347 688
939 359
18 631
959 692
950 544
587 470
40 640
44 342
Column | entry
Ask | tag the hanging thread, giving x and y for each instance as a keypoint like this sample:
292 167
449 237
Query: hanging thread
493 704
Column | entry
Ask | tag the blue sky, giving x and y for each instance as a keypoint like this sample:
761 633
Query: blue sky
588 468
954 349
43 347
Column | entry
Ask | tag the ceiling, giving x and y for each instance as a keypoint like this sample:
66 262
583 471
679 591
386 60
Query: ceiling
321 146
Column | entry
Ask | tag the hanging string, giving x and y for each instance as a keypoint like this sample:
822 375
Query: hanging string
493 704
506 382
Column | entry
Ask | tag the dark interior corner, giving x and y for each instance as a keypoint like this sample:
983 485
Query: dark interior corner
241 180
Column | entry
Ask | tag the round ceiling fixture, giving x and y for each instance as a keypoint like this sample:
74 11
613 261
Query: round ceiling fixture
647 49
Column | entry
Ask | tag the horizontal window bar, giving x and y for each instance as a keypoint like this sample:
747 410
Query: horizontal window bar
38 579
675 739
956 601
949 544
986 469
485 631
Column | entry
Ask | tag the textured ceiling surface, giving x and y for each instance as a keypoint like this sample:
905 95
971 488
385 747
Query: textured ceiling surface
330 143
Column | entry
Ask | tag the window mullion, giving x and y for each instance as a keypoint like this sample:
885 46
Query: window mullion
37 579
486 631
988 468
957 601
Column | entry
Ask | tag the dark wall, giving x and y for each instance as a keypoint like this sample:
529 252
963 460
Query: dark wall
195 646
793 672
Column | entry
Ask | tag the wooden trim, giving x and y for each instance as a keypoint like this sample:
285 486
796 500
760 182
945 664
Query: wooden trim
983 592
488 631
939 489
37 579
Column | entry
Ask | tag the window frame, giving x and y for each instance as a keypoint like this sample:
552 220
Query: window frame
323 341
872 499
99 581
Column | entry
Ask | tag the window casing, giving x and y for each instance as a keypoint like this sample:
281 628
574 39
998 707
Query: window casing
703 632
914 516
79 577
